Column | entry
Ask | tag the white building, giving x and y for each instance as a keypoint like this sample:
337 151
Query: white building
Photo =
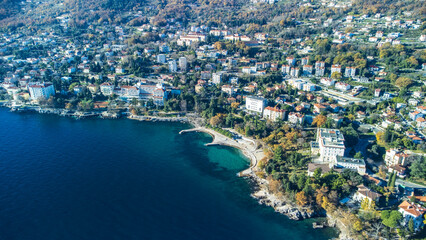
255 104
350 163
327 82
107 89
172 66
396 157
183 63
161 58
350 72
39 90
342 86
273 114
229 89
412 211
217 77
330 143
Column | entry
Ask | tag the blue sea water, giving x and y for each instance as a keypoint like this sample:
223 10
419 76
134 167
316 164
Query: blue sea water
62 178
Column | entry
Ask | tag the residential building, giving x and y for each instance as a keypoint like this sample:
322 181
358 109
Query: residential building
107 89
296 118
41 90
396 157
350 72
274 114
161 58
412 211
365 193
183 64
172 66
342 86
255 104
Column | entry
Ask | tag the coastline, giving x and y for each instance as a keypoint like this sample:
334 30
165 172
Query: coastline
255 152
252 149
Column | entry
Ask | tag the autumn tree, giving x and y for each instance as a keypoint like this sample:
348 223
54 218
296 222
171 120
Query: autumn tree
319 120
403 82
301 199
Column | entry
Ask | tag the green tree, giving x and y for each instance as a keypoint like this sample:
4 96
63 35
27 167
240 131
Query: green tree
391 218
411 225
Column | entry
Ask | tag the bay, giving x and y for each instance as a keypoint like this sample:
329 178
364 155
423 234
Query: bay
62 178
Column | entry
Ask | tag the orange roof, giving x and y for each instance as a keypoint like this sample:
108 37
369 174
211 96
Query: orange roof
412 209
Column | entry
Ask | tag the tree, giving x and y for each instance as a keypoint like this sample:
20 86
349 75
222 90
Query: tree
418 168
403 82
301 199
411 225
319 120
391 218
358 155
357 225
317 174
336 75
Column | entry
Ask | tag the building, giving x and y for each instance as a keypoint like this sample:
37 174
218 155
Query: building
331 143
172 66
296 118
183 63
161 58
314 166
291 61
336 68
342 86
285 69
255 104
319 71
307 69
305 61
412 211
327 82
396 157
363 193
217 77
107 89
350 72
377 92
357 165
274 114
229 89
41 90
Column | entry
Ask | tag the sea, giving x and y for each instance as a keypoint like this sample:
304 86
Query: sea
62 178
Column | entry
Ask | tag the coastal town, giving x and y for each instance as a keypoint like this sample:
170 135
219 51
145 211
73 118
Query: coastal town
326 99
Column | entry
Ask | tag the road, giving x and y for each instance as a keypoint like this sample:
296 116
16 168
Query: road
409 184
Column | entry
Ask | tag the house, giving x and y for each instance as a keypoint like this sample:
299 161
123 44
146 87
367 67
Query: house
327 82
255 104
415 114
107 89
342 86
229 89
319 108
398 169
274 114
365 193
314 166
296 118
377 92
413 102
396 157
412 211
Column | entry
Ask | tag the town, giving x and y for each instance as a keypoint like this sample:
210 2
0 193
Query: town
336 101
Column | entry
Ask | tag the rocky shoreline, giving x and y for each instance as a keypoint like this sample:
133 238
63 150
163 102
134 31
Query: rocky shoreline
279 204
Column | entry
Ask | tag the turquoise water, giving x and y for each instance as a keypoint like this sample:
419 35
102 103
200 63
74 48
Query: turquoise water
119 179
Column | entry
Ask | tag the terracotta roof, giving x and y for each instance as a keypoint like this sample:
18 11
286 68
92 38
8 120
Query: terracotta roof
413 209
